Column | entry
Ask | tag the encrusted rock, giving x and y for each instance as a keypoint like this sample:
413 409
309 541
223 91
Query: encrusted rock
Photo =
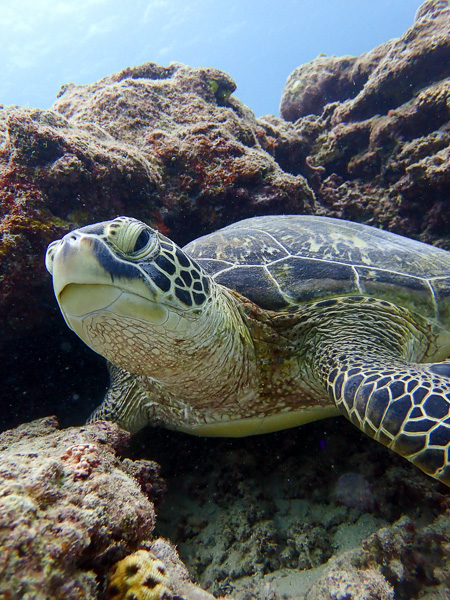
401 557
324 80
382 79
351 584
376 130
68 509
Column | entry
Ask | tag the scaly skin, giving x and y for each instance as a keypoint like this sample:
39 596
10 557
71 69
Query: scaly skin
208 379
249 381
359 356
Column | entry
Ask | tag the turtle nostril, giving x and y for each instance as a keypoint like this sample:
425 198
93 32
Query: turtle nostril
69 238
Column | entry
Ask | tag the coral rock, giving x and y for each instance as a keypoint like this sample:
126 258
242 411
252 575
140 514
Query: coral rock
67 509
152 573
352 584
81 459
375 130
398 558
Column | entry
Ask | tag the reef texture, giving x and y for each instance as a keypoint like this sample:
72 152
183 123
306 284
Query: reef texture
317 513
376 130
70 508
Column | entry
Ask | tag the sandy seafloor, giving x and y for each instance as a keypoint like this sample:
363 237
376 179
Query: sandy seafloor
259 517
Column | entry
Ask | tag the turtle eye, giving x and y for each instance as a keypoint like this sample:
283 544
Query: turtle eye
133 238
142 241
146 243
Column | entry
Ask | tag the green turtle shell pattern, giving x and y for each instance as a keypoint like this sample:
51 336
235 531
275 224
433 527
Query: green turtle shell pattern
281 262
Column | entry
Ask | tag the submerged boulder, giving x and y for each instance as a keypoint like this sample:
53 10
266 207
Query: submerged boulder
68 508
376 130
71 507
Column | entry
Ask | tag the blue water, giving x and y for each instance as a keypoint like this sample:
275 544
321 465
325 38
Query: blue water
258 42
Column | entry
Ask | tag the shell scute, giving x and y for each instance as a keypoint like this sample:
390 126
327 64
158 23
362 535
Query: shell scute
280 261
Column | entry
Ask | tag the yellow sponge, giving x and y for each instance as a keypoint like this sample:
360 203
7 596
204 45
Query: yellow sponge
139 576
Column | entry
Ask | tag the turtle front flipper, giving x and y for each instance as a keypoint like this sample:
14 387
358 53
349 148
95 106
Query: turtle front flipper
367 367
123 402
406 409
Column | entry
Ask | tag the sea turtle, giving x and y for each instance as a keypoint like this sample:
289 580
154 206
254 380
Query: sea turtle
266 324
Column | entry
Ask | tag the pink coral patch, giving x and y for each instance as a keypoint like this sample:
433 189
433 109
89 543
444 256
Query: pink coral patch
81 459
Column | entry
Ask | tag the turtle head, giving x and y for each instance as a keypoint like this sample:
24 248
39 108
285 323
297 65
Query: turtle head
121 283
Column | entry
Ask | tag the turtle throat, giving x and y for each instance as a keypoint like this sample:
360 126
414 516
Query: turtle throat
190 355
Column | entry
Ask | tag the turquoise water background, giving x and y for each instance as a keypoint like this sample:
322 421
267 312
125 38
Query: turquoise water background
46 43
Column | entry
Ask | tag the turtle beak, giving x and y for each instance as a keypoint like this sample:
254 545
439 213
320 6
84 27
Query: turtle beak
72 260
76 276
87 282
50 255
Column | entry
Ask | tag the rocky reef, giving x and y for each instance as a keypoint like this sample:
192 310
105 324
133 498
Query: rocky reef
320 512
70 508
314 513
376 130
255 517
